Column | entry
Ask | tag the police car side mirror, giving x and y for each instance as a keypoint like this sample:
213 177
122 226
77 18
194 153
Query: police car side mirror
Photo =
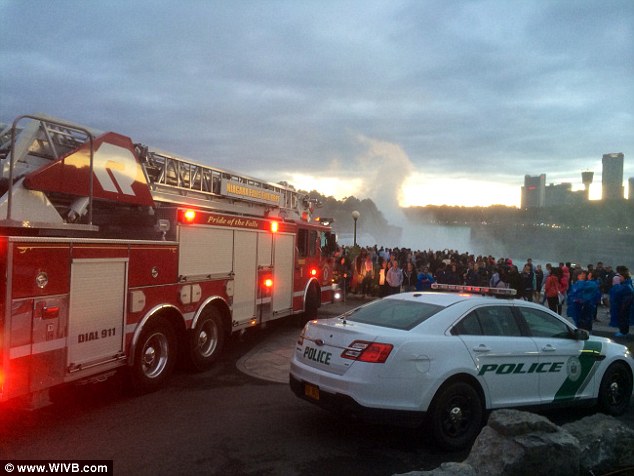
581 334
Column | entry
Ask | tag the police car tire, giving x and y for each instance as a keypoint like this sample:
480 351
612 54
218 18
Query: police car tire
615 390
155 356
457 415
207 341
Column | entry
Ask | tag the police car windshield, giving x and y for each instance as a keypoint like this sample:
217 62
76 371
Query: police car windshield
396 314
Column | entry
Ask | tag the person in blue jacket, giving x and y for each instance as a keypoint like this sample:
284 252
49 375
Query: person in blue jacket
621 308
424 280
582 301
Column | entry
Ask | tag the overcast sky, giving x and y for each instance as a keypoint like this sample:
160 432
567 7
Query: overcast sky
422 102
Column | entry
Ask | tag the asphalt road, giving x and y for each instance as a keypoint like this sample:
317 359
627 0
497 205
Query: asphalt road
220 422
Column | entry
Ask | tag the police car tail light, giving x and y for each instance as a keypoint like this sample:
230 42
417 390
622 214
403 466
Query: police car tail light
363 351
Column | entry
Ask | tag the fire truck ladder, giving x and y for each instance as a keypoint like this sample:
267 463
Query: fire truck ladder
172 179
180 181
41 141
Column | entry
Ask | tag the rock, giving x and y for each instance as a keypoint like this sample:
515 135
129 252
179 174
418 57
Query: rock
516 443
446 469
511 423
605 443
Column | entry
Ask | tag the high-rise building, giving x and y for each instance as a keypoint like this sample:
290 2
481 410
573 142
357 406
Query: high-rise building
612 177
586 178
558 195
534 191
630 188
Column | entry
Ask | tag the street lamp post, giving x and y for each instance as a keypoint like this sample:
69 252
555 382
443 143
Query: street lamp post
355 217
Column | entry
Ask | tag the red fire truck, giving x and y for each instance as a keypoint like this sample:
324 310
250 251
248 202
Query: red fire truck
115 255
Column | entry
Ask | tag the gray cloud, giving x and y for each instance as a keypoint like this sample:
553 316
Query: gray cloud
473 88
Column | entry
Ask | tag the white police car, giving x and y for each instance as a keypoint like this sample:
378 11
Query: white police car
443 359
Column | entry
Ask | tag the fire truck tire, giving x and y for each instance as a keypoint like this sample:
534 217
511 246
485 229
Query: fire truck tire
312 304
207 340
155 356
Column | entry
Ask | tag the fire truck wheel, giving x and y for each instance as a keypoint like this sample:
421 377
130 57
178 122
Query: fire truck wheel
155 356
207 340
312 304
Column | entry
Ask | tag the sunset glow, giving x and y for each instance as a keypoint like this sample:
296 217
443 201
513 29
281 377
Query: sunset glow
421 190
418 190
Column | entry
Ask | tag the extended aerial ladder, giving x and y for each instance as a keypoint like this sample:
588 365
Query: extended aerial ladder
66 148
177 180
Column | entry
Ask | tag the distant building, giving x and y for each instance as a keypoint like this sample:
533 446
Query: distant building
612 177
558 195
586 179
534 191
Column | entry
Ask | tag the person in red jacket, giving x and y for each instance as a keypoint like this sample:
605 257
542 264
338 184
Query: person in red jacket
564 284
552 288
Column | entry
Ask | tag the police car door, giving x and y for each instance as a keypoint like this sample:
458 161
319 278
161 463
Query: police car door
504 359
567 366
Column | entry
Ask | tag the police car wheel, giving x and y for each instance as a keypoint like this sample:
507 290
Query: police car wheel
155 356
457 416
615 390
207 340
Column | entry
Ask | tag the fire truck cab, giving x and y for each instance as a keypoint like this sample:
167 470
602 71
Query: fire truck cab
116 255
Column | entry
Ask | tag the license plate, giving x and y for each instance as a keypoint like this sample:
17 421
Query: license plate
311 391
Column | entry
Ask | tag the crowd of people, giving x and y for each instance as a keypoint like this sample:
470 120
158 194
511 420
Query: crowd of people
374 271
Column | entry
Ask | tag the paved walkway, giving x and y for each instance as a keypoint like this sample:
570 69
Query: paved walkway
270 360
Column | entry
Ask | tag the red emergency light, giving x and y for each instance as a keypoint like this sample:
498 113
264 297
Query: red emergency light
275 226
50 312
189 216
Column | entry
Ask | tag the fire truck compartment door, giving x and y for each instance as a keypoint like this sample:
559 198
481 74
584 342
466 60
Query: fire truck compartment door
283 268
205 251
96 311
245 274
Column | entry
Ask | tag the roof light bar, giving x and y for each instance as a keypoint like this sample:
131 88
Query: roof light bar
458 288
